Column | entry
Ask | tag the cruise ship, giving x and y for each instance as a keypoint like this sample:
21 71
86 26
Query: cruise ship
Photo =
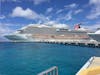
33 32
96 35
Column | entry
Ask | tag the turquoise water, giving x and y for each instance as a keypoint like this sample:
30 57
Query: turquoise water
32 58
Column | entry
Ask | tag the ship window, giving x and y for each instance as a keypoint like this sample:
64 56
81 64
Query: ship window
52 36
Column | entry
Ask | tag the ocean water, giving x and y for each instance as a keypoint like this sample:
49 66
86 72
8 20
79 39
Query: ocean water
32 58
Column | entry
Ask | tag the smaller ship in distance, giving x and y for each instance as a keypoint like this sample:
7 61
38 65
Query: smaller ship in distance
95 35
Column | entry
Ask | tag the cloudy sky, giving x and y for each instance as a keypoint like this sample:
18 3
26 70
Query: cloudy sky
15 14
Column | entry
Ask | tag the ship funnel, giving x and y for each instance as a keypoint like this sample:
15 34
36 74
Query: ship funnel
77 26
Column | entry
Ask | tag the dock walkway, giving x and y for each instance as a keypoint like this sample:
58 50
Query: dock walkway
92 66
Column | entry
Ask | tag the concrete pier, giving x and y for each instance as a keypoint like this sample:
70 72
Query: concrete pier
92 67
83 43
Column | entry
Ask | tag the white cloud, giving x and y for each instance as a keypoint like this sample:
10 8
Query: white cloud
56 24
10 0
59 11
92 27
73 5
95 12
72 10
65 17
16 0
59 25
36 2
51 22
49 10
28 13
5 29
68 16
78 11
94 1
66 7
2 17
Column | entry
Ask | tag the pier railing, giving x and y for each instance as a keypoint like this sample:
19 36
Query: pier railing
51 71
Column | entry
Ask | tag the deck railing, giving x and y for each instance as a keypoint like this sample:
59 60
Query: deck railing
51 71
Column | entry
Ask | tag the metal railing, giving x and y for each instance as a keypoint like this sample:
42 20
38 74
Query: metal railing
51 71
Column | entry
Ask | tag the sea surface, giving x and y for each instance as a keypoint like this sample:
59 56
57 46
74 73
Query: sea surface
32 58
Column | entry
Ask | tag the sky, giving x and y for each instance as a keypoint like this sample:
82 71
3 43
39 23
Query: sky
15 14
